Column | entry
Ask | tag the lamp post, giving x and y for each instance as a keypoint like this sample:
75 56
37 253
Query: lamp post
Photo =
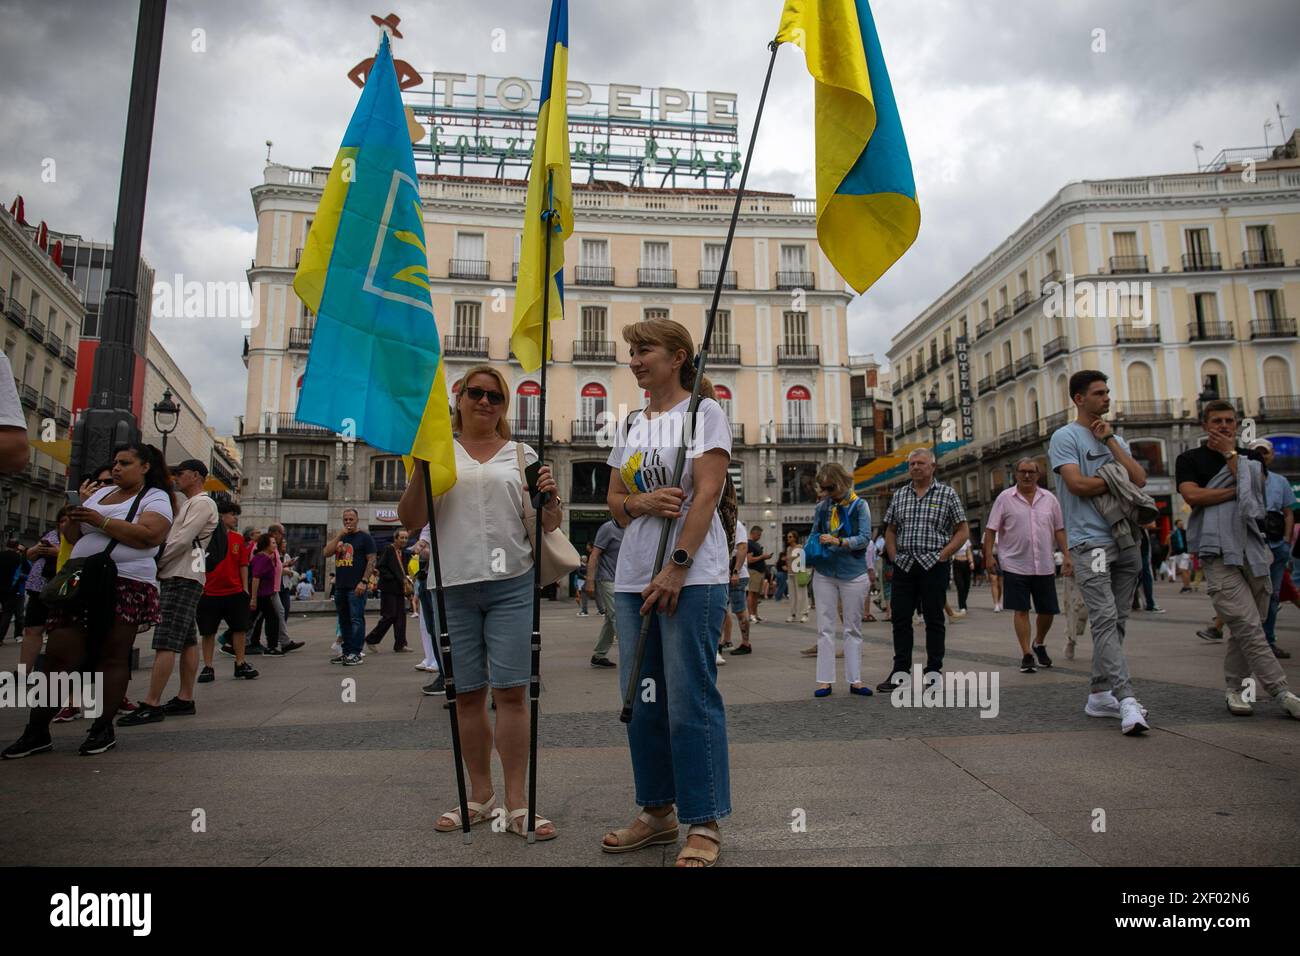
166 416
933 410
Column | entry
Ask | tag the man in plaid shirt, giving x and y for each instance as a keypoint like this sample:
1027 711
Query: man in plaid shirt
925 526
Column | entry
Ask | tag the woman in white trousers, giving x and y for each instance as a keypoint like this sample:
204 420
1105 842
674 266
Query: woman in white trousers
798 592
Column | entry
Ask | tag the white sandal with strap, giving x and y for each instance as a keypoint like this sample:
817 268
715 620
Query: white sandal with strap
522 816
708 858
478 813
663 830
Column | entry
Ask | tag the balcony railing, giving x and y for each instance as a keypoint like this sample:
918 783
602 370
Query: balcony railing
465 346
63 415
1150 410
286 423
1005 374
945 353
985 385
593 350
728 355
311 490
907 379
53 344
1279 406
983 329
794 280
1136 334
1275 328
1121 264
737 433
1055 420
46 406
387 491
1003 314
593 275
1052 278
589 432
1028 433
897 387
656 278
1210 332
708 279
950 404
43 475
932 362
300 339
1057 346
468 269
36 327
29 395
297 257
799 433
69 356
16 313
798 355
527 431
1263 259
1022 300
1202 262
1026 362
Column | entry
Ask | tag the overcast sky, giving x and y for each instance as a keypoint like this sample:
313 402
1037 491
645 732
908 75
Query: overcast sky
1002 103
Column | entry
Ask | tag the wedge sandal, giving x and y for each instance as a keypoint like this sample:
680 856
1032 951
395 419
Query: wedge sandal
664 830
707 857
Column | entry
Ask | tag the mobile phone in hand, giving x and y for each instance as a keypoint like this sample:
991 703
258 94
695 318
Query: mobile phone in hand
531 473
74 498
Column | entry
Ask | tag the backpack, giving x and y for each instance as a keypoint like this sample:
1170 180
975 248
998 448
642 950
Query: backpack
217 548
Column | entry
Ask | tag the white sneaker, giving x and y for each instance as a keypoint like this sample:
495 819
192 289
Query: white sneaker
790 619
721 660
336 648
1290 703
997 609
1132 720
1237 706
1105 705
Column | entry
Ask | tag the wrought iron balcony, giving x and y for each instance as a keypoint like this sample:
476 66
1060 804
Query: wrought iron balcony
1210 332
1128 264
932 362
527 432
300 339
1202 262
1003 314
1055 420
53 343
1023 299
737 433
286 423
985 385
1052 278
589 432
906 380
798 355
36 327
1136 334
656 278
794 280
983 329
29 395
17 314
593 275
1275 328
950 404
1029 432
46 406
946 353
69 356
801 433
708 279
1156 410
387 491
477 269
1026 363
1279 406
593 350
1057 346
63 415
1005 374
729 355
465 346
308 490
1263 259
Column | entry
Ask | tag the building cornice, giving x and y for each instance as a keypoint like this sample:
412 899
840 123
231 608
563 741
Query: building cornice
31 254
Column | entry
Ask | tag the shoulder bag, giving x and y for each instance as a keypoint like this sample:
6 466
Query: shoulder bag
558 557
86 585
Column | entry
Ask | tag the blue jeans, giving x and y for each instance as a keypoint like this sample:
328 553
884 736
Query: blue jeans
1281 555
352 619
678 737
780 593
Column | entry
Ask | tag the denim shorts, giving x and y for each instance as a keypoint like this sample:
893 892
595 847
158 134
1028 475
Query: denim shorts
491 628
737 595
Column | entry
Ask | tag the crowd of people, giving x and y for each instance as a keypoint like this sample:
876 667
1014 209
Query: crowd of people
186 572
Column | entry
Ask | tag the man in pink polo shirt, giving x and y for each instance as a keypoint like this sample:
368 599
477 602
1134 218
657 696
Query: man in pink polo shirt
1029 527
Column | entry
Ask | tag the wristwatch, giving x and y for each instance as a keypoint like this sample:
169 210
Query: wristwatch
682 558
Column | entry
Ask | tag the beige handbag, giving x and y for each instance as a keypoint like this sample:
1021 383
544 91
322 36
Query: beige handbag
559 557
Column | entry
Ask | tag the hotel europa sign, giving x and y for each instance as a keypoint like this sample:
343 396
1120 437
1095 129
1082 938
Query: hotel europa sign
653 135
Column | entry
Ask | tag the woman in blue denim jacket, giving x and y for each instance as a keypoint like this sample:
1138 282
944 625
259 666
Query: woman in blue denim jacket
842 525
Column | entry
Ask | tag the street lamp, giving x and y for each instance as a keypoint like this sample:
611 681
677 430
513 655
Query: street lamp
933 410
166 416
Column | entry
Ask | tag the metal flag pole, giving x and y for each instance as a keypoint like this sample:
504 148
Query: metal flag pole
444 641
629 693
534 678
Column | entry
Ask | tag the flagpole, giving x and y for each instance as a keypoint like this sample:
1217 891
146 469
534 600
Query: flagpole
701 360
444 641
534 680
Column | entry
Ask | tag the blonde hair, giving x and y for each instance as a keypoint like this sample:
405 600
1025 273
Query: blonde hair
674 337
833 473
503 427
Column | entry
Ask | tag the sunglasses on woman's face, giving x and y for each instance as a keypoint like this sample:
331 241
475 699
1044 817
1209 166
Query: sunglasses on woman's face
476 395
829 489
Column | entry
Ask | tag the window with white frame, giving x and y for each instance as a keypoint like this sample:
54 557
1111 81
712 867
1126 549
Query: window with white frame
722 395
794 259
795 329
593 403
467 324
301 471
722 329
798 406
655 314
595 253
593 325
655 255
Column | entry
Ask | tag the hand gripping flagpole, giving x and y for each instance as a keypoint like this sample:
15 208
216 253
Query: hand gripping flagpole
549 215
629 692
444 641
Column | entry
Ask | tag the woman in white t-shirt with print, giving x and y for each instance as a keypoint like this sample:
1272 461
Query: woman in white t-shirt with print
101 520
487 578
678 735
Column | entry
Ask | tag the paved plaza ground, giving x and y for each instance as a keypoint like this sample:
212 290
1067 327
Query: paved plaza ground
288 774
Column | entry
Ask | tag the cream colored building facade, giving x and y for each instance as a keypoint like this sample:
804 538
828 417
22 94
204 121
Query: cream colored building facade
780 352
1174 286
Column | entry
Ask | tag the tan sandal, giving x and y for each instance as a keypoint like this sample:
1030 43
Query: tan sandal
707 857
663 830
521 830
478 813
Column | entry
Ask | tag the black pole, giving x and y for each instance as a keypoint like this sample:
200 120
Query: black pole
444 641
629 695
534 679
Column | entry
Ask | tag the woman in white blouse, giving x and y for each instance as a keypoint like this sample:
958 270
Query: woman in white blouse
487 577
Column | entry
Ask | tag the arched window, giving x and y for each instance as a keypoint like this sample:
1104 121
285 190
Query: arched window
1013 415
723 396
1141 387
1215 376
593 403
1277 377
993 422
798 410
1063 390
527 396
1031 405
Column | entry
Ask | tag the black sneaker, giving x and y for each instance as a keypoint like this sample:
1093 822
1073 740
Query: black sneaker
31 742
1040 651
339 659
254 649
207 675
437 688
352 660
1279 653
98 740
598 661
275 652
288 646
144 714
742 649
1027 665
179 708
226 649
887 685
1210 634
245 671
1183 590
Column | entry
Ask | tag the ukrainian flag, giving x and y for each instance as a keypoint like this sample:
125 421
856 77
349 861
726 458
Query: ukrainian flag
867 213
550 160
375 369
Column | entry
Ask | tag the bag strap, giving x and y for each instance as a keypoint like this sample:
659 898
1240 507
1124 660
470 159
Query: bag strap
129 515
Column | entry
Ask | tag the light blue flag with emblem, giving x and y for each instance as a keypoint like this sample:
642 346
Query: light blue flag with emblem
375 368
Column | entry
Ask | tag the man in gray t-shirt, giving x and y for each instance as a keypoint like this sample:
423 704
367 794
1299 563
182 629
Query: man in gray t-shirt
14 448
601 566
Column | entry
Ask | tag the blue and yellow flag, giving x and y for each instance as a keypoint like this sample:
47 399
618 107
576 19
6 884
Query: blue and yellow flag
867 213
550 160
375 368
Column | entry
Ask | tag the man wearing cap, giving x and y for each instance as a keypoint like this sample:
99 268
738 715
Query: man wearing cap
1279 499
181 573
